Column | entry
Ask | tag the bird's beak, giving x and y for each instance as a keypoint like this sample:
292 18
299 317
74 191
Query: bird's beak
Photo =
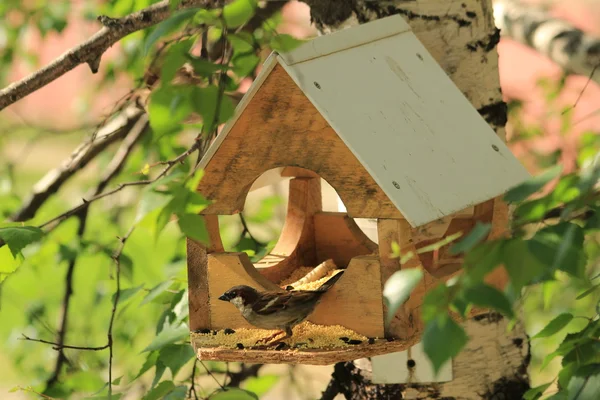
224 297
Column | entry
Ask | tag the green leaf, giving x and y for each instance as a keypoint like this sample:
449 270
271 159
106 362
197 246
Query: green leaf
168 107
156 291
489 297
477 234
443 339
158 373
536 392
194 227
8 263
521 265
560 246
585 383
168 335
175 356
260 385
205 104
565 375
588 352
149 363
160 391
176 55
233 394
18 237
245 64
554 326
167 27
531 186
179 393
207 17
150 201
239 12
483 259
283 43
205 68
589 291
242 42
128 293
398 287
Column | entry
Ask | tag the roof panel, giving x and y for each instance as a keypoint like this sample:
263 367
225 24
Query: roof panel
405 120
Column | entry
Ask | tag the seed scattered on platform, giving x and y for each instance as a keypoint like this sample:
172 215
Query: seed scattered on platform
229 331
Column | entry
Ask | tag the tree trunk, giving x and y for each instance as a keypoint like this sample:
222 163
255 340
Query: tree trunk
462 37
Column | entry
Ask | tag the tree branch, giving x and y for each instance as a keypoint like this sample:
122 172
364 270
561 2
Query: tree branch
90 51
79 159
571 48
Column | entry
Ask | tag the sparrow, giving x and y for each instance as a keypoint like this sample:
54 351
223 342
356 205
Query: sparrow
276 310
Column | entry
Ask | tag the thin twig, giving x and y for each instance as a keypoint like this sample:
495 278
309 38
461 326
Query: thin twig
120 187
117 295
209 372
91 50
192 390
246 230
57 346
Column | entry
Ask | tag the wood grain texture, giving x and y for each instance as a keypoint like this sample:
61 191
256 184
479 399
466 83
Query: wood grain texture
226 270
280 127
307 356
296 244
355 301
197 267
338 237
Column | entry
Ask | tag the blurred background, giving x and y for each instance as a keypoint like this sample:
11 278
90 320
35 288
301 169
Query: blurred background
551 118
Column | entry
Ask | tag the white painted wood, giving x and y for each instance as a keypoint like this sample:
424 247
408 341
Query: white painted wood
346 38
410 126
393 368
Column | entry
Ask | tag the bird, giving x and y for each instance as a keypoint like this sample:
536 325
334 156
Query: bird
276 310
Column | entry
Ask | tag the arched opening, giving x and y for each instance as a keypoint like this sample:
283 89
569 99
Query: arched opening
291 222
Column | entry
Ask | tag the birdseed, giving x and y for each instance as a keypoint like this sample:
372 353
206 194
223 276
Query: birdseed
306 335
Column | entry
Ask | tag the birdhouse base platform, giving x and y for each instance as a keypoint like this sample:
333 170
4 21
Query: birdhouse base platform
311 344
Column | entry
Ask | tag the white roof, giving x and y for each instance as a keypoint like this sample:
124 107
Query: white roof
421 140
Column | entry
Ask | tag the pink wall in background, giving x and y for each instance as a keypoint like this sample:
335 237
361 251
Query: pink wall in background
520 68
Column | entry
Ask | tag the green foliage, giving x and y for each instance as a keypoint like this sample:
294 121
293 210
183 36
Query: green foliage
553 243
17 237
233 394
454 339
398 287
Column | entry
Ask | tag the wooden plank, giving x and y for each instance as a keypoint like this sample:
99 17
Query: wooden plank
338 237
277 129
355 301
409 125
296 244
302 356
197 267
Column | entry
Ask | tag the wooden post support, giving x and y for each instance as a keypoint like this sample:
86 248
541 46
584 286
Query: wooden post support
197 266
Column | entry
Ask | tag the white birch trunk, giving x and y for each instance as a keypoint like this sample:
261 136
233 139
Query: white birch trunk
462 37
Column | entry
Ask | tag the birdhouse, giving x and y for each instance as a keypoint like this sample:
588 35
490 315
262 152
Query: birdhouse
368 110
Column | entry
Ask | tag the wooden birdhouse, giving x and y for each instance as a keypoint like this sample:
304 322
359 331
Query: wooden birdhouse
370 111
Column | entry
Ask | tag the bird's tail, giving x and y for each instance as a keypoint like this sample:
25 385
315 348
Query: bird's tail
327 285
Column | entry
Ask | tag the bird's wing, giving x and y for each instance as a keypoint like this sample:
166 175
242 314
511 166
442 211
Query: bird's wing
269 303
